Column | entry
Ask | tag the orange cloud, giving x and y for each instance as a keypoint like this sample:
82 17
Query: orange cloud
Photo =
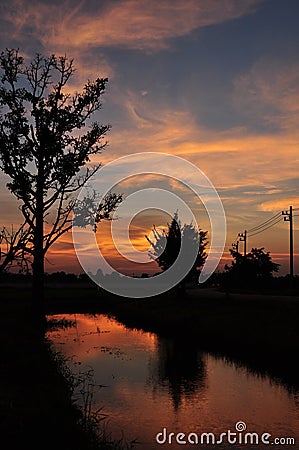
279 204
246 167
248 158
136 24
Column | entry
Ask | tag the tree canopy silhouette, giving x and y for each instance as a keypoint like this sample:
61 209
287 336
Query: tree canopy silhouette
46 141
257 266
166 246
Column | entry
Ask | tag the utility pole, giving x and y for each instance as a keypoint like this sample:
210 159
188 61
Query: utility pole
235 246
243 238
288 217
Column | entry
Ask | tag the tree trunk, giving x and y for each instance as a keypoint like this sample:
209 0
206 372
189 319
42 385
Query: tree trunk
38 253
38 275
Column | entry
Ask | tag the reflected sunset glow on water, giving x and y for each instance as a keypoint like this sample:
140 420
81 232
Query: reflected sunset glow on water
152 382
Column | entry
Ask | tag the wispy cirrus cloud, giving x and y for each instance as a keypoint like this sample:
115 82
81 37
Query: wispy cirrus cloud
269 93
86 30
135 24
240 128
236 156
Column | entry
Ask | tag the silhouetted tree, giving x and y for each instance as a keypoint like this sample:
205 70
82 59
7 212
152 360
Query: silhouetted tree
45 144
90 212
14 244
167 244
257 266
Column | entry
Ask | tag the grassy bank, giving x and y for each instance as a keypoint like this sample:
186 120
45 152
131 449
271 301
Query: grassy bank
36 408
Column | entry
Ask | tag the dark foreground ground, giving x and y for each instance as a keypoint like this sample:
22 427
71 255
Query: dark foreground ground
36 411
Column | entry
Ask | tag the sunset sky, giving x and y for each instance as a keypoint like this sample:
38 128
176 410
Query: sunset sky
213 81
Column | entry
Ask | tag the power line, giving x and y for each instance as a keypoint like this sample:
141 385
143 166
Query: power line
266 228
265 223
286 215
269 223
236 238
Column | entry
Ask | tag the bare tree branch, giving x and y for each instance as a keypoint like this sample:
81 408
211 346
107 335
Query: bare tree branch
14 248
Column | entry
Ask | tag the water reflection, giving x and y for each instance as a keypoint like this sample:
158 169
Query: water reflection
152 382
179 366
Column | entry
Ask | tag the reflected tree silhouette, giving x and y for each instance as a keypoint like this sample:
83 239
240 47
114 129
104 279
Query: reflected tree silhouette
180 368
